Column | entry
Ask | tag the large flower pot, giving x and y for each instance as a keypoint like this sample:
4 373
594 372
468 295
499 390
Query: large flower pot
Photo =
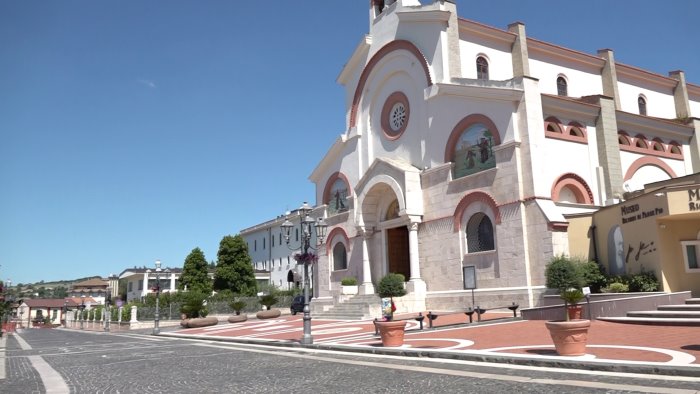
569 337
391 332
269 314
237 318
200 322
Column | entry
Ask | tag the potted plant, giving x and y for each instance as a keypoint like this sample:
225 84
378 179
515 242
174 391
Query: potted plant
237 306
391 332
572 297
348 286
570 335
268 300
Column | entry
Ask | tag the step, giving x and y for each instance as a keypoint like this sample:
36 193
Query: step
666 314
653 321
692 301
680 307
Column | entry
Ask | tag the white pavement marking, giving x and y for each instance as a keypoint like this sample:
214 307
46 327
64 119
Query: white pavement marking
53 382
22 343
478 375
3 343
677 358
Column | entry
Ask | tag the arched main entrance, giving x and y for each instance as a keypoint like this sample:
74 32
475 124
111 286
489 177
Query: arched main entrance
397 252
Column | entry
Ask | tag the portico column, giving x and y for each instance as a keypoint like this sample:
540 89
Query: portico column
366 287
415 284
413 250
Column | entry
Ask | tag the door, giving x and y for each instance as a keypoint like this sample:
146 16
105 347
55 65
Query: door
397 251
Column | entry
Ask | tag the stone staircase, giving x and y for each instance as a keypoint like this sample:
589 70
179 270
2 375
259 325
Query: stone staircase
687 314
358 307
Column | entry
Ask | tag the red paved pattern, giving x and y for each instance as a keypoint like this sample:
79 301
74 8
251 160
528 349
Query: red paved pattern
675 345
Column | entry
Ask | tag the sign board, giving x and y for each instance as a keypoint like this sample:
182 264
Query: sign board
469 277
586 291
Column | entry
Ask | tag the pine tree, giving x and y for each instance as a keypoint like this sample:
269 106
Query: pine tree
195 273
234 267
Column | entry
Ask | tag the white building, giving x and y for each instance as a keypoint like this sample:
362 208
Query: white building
468 148
142 281
270 252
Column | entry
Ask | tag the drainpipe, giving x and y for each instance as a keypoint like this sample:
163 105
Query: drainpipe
595 244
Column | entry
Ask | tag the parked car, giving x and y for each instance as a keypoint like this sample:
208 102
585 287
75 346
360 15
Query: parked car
298 304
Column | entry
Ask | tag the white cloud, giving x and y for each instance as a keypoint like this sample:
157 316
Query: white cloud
148 83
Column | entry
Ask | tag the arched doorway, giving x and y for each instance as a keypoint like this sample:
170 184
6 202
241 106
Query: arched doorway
397 252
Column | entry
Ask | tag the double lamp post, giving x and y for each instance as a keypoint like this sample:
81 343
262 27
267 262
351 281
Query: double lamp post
306 225
156 289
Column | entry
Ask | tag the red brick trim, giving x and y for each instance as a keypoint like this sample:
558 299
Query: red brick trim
332 234
583 193
388 48
463 125
649 151
471 198
648 161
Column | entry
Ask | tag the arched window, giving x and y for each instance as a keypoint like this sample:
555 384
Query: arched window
641 142
392 212
340 257
479 233
642 103
482 68
562 87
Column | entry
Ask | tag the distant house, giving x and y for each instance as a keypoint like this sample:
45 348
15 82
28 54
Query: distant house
96 288
39 309
142 281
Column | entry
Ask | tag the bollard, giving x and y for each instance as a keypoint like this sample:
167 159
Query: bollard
514 308
469 313
419 319
431 317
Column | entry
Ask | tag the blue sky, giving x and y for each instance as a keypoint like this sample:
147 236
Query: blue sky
132 131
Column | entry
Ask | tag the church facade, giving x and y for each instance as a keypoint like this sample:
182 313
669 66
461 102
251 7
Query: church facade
468 148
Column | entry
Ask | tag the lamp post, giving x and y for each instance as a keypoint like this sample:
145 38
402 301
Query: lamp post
108 301
156 318
306 225
81 308
65 313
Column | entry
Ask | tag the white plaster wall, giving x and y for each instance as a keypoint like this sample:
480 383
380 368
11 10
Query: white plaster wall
567 157
498 56
660 104
580 83
695 109
649 173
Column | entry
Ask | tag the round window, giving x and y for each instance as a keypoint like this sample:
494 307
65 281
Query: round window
395 115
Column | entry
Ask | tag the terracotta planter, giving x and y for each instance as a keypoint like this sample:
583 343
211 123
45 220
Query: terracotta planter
200 322
569 337
237 318
271 314
574 311
392 332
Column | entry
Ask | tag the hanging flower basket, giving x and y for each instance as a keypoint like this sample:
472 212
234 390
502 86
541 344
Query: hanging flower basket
302 258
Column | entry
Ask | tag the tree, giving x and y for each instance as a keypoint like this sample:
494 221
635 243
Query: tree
234 268
194 273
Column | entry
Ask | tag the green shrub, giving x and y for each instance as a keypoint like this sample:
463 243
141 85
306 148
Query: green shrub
645 281
349 281
237 306
572 296
268 300
563 273
391 285
593 275
616 287
193 305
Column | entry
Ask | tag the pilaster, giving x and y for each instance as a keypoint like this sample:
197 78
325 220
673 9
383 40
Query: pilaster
680 95
609 148
519 54
609 76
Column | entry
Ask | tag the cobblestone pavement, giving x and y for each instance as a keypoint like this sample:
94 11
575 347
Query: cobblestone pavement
90 362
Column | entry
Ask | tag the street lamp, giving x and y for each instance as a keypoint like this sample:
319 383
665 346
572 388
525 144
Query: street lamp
306 225
108 301
81 308
156 318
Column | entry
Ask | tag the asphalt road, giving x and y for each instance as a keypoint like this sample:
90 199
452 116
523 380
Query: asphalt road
43 360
